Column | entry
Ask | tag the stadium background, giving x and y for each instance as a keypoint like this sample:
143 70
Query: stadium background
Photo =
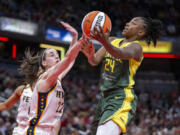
35 24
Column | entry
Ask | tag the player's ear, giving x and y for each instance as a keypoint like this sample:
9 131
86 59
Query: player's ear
141 33
44 63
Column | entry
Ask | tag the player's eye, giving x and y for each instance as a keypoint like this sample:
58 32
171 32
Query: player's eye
133 23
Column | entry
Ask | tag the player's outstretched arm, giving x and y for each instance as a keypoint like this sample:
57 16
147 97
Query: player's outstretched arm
49 78
13 99
74 33
132 51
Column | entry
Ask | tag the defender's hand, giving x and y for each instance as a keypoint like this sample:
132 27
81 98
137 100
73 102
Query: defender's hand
87 47
70 28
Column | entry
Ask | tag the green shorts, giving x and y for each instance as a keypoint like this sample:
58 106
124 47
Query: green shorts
119 106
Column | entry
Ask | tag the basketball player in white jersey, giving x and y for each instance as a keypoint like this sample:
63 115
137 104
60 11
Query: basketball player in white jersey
48 96
29 68
23 110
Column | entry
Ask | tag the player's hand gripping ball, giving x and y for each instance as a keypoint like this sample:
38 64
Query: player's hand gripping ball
95 18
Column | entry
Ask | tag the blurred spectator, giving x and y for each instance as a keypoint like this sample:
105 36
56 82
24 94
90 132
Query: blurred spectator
158 111
51 12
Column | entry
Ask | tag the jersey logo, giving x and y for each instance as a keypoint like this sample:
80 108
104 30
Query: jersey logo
111 57
59 94
26 99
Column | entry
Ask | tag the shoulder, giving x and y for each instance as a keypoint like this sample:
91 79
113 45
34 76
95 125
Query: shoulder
19 90
137 48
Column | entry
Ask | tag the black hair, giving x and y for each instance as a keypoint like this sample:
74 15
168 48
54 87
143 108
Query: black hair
154 29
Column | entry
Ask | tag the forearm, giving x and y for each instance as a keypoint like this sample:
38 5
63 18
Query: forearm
3 106
133 50
64 63
12 100
73 52
66 70
114 51
96 58
74 40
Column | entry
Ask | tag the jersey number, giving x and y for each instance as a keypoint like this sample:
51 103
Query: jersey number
109 65
60 107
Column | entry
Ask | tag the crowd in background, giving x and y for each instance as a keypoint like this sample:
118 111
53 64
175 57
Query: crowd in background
158 113
120 11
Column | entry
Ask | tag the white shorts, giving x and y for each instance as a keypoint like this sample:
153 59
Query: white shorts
109 128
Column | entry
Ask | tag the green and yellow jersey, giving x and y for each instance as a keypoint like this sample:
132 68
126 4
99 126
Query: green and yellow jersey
118 73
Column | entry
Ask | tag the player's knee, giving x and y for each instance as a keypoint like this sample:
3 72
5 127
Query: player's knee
101 130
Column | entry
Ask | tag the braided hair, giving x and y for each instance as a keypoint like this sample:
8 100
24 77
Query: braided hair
154 29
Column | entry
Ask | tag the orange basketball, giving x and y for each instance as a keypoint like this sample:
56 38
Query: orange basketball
95 18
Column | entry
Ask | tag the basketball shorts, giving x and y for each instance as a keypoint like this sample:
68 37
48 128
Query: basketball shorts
118 105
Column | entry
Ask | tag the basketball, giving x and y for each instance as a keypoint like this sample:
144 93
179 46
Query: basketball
93 19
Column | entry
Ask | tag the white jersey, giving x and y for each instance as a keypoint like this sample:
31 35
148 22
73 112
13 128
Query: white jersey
24 106
23 111
46 111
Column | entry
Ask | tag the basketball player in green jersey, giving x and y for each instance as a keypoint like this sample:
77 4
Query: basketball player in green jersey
121 58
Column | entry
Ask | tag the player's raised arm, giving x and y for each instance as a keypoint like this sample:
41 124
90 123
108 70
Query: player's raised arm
54 67
132 51
74 40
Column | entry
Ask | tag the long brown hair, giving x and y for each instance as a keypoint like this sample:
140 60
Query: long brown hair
42 56
29 67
